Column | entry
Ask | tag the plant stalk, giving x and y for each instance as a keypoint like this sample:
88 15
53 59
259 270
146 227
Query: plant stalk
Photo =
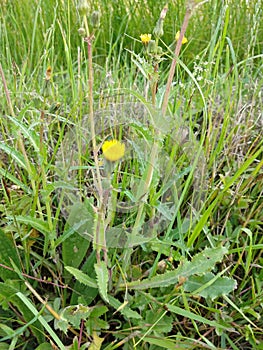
99 229
174 61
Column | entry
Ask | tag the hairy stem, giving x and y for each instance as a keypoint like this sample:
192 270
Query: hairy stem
99 229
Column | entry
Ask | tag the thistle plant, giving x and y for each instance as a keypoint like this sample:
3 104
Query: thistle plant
112 150
99 227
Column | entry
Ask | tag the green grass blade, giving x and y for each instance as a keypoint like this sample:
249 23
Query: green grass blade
40 318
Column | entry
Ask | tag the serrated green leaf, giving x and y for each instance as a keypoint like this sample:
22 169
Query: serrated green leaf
84 294
82 277
62 324
95 323
201 285
125 311
73 314
200 264
99 311
102 279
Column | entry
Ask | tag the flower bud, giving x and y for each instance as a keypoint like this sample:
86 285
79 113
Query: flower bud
152 47
95 19
158 29
82 32
83 7
159 50
47 88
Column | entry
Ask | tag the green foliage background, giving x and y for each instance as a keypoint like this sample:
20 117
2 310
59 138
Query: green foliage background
198 287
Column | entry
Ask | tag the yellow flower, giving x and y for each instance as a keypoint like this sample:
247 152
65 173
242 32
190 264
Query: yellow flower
113 150
184 41
145 38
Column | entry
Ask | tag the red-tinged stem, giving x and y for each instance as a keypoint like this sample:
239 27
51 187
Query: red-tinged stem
174 61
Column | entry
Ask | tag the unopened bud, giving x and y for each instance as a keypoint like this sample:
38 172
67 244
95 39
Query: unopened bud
83 7
159 50
95 19
47 88
158 29
82 32
151 48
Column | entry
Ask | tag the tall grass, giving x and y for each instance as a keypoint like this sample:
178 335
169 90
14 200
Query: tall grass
162 249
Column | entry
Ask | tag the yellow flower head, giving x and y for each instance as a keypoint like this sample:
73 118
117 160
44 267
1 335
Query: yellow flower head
184 41
145 38
113 150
